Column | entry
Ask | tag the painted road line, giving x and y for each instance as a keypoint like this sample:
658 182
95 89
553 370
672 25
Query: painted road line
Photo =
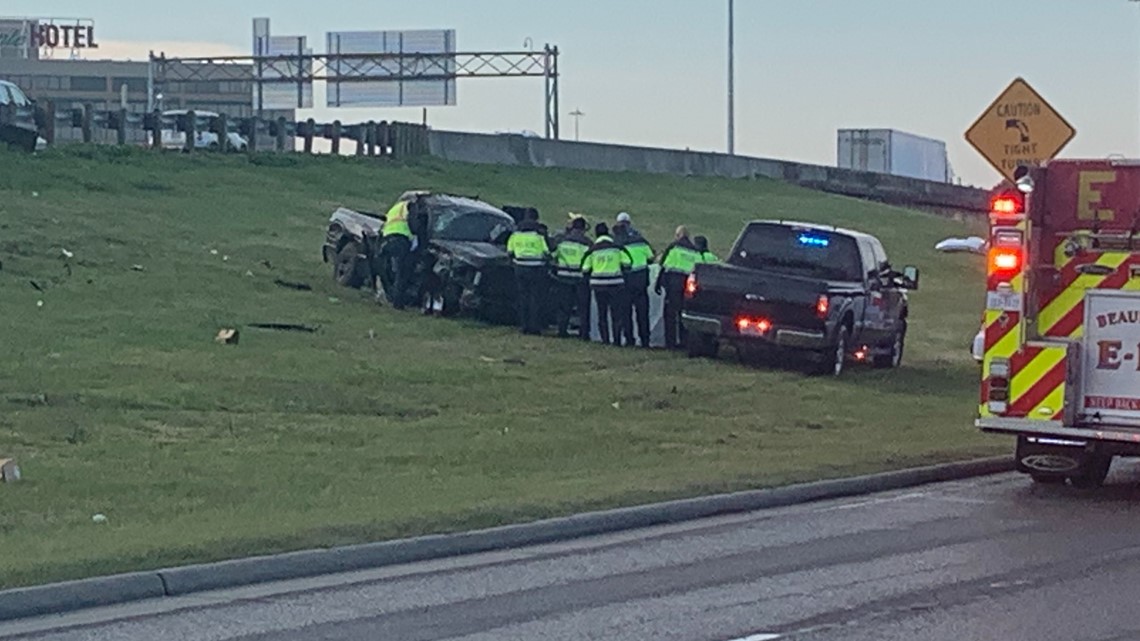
759 637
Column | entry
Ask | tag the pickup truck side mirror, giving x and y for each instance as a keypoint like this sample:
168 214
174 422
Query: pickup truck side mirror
910 277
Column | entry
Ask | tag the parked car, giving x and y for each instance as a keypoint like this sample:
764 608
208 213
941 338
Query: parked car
173 139
461 266
825 293
22 134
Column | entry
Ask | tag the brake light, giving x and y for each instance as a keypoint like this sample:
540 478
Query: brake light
755 326
822 306
691 286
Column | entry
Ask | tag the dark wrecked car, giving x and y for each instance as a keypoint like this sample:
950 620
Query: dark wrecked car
460 265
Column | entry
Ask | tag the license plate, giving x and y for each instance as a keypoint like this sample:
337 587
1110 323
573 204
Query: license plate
1004 301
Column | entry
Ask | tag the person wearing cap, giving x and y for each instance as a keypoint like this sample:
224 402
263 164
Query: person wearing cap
570 289
637 280
605 266
702 245
678 261
530 254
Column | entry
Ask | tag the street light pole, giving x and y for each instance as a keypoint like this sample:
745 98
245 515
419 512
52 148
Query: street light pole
577 113
731 79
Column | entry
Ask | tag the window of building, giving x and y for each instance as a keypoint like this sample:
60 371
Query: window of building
88 83
134 85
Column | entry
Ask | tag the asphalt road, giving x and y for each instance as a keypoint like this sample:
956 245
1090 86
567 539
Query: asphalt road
991 558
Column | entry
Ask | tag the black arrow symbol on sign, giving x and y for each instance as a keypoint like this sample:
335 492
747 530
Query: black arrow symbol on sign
1021 127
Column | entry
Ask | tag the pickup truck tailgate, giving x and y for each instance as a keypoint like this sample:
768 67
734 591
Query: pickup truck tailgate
727 291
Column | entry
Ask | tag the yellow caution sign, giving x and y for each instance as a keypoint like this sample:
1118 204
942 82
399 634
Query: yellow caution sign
1018 129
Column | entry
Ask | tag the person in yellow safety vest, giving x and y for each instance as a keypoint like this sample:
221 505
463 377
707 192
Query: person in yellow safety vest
605 265
678 261
571 289
637 281
395 253
702 245
530 254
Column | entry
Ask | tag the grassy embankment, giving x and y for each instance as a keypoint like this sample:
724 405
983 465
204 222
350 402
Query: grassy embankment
116 400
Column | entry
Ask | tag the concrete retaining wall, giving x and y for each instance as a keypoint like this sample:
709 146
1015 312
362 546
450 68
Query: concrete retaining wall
538 152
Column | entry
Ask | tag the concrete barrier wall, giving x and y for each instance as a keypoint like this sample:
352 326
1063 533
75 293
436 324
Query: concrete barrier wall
538 152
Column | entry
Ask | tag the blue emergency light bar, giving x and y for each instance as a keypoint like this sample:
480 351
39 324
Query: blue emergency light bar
814 241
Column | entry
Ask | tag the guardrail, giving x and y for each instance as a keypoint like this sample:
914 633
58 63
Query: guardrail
372 138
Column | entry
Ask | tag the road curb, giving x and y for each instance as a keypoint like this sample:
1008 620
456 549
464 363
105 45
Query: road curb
102 591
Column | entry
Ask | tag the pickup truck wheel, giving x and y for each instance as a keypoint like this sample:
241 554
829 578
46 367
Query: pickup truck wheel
349 270
701 345
893 358
832 361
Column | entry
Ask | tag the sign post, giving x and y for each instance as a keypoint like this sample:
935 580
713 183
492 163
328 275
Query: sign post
1019 129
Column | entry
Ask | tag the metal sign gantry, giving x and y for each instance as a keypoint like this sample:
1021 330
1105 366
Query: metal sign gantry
304 68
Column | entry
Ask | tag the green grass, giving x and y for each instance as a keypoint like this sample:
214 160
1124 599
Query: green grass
115 398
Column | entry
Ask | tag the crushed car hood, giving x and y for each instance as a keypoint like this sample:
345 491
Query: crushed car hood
477 254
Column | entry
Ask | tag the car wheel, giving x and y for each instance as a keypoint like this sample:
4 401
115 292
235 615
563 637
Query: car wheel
893 358
701 345
349 269
833 360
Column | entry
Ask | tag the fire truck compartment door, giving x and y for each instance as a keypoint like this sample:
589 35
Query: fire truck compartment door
1110 374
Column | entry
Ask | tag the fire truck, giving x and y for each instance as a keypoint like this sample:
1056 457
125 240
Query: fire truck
1061 365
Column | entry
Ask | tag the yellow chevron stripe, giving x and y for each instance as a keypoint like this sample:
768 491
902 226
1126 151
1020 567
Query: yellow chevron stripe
1047 408
1034 370
1075 293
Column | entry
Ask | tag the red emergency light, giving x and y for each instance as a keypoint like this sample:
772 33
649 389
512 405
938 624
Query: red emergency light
1005 259
1007 204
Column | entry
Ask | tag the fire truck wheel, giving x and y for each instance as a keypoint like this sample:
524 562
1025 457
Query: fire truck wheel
1094 474
1048 479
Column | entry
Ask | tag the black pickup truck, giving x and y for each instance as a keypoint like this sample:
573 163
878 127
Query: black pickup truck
823 292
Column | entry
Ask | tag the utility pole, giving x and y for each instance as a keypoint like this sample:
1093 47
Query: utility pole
577 113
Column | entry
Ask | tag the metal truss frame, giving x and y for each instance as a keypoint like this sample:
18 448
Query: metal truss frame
304 68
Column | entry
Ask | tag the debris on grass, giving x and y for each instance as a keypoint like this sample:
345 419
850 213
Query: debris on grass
334 299
99 519
39 303
213 252
36 286
137 268
66 253
9 470
248 274
286 327
303 287
507 361
227 336
268 265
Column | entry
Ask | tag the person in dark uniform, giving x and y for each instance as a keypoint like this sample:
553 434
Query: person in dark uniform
605 265
571 289
530 254
678 261
637 281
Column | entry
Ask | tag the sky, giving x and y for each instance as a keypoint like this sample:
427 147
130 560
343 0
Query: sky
653 72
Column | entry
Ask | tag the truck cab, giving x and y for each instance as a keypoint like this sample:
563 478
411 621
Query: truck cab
823 293
1061 362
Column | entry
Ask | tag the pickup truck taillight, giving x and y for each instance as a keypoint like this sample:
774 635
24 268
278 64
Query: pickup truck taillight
822 306
691 286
